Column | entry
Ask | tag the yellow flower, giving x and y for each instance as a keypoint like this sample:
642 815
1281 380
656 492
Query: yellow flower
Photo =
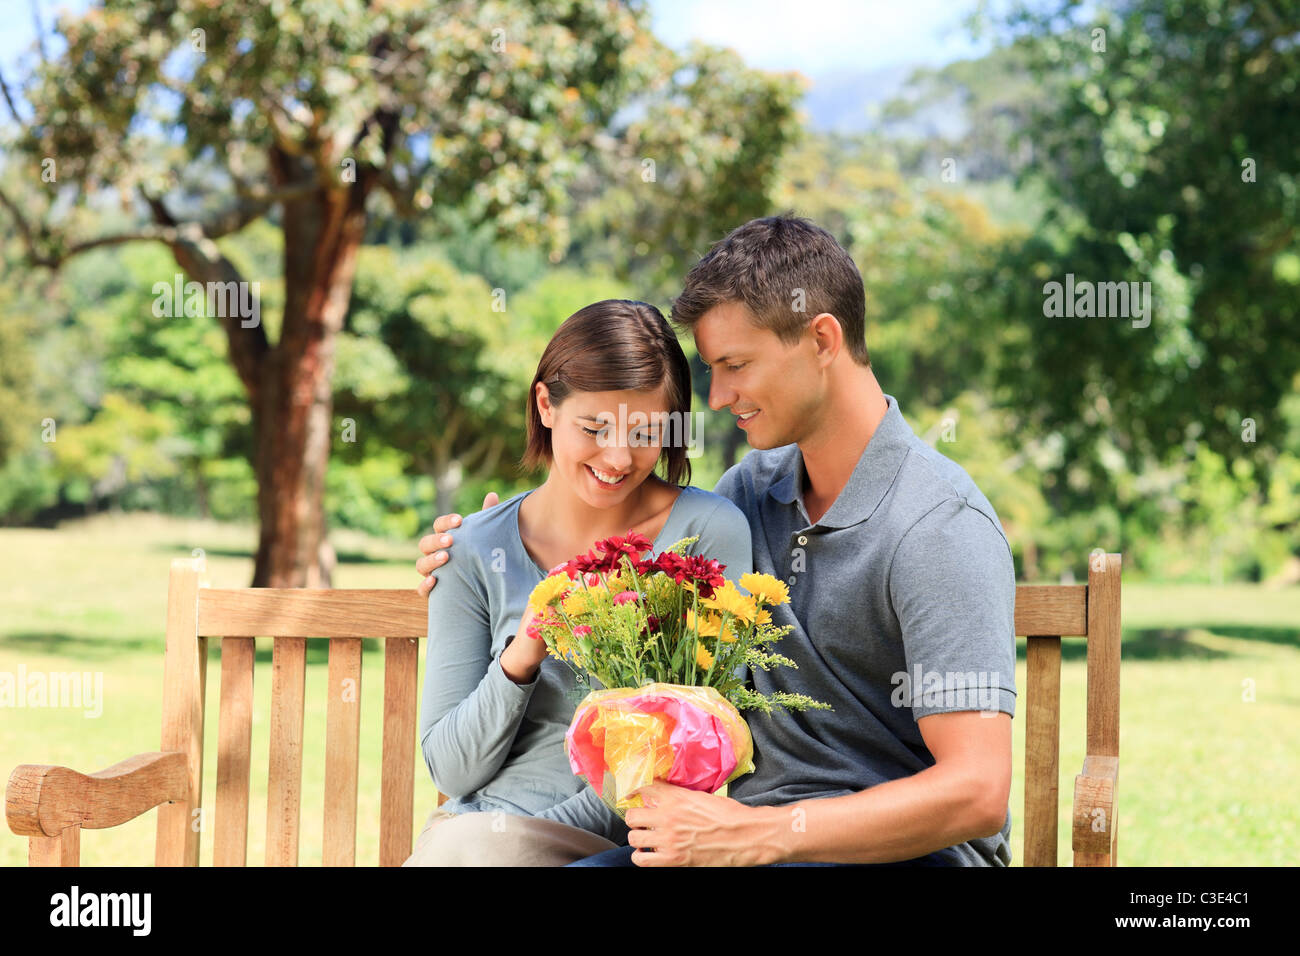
703 657
576 604
547 590
708 624
767 587
728 599
562 646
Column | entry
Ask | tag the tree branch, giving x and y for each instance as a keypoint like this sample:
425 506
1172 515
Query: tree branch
198 255
40 33
4 88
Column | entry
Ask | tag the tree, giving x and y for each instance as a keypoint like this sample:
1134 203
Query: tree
1166 138
206 117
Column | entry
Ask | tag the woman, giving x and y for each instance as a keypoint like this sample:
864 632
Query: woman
496 706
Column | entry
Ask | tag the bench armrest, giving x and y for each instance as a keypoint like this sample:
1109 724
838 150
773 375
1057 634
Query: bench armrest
44 801
1095 806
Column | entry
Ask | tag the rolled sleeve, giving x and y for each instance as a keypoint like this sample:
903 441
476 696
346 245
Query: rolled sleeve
952 583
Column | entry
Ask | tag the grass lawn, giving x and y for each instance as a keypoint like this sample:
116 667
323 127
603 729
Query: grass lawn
1210 713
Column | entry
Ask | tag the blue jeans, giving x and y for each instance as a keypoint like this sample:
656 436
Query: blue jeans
622 856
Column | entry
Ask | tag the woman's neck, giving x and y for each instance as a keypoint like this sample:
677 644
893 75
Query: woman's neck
565 509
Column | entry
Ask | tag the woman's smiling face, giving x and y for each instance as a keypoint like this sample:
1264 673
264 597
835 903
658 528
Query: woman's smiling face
604 444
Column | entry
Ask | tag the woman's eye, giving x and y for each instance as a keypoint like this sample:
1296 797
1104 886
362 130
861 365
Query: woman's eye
593 432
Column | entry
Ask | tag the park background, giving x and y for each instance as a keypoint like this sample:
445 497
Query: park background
423 192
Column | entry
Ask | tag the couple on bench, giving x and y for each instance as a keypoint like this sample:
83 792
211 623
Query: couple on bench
900 578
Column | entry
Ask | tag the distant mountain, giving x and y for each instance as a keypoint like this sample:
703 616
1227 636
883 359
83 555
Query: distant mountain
848 101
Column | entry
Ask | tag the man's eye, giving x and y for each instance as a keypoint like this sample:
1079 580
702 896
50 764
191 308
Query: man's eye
735 368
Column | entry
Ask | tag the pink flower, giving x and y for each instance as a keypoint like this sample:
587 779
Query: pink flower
626 597
582 630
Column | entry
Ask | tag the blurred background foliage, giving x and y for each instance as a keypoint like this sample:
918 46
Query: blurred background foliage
1177 444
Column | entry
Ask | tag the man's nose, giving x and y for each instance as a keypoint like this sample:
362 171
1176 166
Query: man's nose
719 395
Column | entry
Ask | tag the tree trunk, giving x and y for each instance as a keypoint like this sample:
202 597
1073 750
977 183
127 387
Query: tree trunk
201 492
293 402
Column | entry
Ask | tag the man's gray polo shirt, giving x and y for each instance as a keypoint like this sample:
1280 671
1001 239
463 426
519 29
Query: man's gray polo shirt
902 599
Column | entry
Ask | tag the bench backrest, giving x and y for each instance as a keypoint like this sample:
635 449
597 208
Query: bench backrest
1044 614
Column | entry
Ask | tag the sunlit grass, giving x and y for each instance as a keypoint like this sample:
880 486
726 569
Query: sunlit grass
1207 775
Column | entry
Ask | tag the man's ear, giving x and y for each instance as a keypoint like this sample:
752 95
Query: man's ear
828 337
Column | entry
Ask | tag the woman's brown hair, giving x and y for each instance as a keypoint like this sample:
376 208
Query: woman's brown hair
611 346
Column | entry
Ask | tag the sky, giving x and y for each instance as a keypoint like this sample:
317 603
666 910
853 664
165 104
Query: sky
817 37
835 44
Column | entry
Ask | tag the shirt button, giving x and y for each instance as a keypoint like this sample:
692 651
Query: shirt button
803 539
791 581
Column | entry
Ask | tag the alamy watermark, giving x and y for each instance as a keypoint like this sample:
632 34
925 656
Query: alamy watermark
222 300
84 689
964 690
661 429
129 910
1103 300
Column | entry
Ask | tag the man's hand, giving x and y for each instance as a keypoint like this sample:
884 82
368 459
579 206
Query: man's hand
680 827
433 558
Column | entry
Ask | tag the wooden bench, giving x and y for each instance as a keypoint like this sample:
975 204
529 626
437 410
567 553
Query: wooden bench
52 805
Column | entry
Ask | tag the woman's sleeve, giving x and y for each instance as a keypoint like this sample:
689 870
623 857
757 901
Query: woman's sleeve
588 812
725 537
471 710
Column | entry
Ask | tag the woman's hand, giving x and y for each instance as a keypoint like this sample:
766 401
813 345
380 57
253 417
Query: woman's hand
523 656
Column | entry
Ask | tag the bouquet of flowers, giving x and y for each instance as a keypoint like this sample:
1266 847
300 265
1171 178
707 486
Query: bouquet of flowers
669 638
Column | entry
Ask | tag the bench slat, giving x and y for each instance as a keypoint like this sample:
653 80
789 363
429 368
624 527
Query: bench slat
314 613
1042 749
401 664
1052 609
1104 643
284 777
185 670
342 745
234 758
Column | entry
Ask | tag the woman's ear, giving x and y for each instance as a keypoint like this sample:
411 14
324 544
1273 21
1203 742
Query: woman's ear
542 396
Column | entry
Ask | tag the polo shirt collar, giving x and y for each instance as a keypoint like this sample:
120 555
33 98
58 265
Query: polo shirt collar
872 475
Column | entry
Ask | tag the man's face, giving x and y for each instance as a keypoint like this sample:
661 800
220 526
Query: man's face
772 388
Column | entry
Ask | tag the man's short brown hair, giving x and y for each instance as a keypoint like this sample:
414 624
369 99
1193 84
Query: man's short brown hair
785 270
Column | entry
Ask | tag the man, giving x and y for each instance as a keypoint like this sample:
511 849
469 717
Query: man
901 587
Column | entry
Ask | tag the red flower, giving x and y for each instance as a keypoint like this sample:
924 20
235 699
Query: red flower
704 572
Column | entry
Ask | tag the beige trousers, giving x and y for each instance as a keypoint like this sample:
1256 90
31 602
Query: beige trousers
501 839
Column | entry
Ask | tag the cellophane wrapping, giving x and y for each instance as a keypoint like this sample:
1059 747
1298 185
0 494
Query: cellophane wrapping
624 738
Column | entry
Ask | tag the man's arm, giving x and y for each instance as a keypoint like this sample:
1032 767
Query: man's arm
962 797
952 584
